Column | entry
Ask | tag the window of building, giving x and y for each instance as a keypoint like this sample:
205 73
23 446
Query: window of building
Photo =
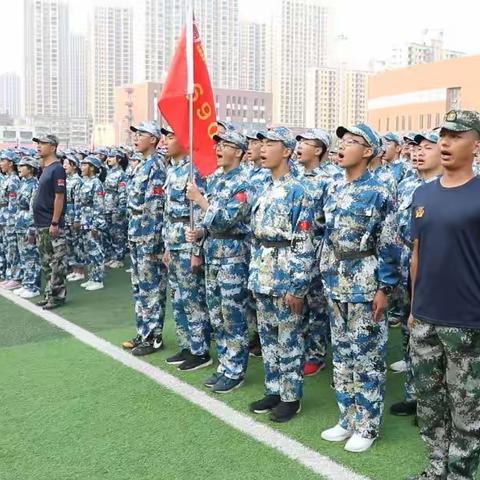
421 122
429 121
397 123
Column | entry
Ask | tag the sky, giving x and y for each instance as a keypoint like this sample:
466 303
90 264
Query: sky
371 26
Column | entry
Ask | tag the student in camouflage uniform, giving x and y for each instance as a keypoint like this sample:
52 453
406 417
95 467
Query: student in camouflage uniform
400 168
8 163
225 230
280 273
28 252
359 266
312 150
75 260
90 221
115 209
146 201
445 319
186 273
3 204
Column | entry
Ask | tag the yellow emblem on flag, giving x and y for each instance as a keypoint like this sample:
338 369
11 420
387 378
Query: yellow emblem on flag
419 212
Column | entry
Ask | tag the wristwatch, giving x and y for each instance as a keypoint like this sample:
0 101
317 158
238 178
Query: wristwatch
386 289
54 224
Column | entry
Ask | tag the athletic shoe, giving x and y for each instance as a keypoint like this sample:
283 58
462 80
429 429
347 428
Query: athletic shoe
129 344
18 291
150 345
94 286
226 385
403 409
336 434
426 475
358 444
399 367
2 284
29 293
212 380
394 323
116 264
86 284
74 277
179 357
41 303
196 362
129 270
265 404
52 305
312 368
12 285
285 411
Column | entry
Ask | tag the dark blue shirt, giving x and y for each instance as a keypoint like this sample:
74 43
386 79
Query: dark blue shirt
446 222
52 180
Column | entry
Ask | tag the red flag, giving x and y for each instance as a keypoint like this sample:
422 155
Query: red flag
174 103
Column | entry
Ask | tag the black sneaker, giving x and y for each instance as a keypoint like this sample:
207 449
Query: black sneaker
41 303
212 380
265 404
179 357
394 323
196 362
403 409
129 344
285 411
52 305
148 346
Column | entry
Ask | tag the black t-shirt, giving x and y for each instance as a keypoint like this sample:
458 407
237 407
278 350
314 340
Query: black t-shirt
52 180
446 221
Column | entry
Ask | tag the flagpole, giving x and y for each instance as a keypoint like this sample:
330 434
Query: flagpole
190 91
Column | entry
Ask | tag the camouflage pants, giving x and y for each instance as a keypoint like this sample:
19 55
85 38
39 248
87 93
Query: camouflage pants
149 284
359 347
446 365
3 260
75 256
188 303
30 261
316 323
251 314
115 239
227 296
53 255
283 347
94 255
14 268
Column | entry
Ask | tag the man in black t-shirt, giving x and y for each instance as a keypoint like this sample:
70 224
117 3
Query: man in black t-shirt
445 320
48 218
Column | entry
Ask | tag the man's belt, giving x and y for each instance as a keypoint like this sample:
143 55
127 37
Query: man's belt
179 219
274 243
227 236
354 255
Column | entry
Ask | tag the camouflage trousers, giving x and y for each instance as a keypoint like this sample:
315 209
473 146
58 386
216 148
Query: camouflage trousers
115 238
283 347
94 255
252 314
75 255
149 284
446 365
30 261
3 259
359 347
53 255
316 323
227 296
188 303
12 257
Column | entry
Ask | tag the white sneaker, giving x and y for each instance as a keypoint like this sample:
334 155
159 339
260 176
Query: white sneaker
116 264
18 291
358 444
94 286
336 434
129 270
399 367
74 277
85 284
29 293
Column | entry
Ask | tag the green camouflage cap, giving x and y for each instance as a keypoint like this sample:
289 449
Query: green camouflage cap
461 121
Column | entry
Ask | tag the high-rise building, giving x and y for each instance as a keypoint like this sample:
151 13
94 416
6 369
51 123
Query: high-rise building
78 75
335 96
110 58
158 24
45 57
253 56
10 94
299 41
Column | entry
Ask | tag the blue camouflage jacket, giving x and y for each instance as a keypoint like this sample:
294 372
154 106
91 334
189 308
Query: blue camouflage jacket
386 177
26 192
91 205
74 183
227 218
360 249
401 169
282 252
116 192
257 179
146 203
9 200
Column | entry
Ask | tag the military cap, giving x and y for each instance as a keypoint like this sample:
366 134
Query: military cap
279 134
366 132
393 137
50 139
461 121
9 155
233 136
252 135
316 134
148 127
29 162
430 136
101 151
94 161
410 137
73 159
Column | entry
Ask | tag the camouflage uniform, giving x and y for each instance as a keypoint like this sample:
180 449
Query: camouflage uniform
3 205
387 178
115 213
75 257
186 287
29 254
359 255
146 200
91 215
281 262
13 267
226 269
